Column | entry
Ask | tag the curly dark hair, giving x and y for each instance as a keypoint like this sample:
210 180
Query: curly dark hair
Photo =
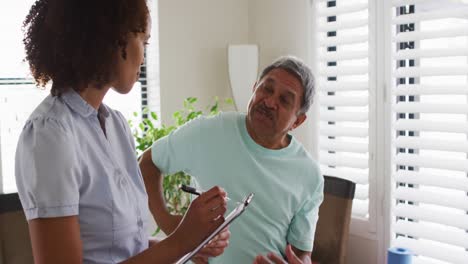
74 42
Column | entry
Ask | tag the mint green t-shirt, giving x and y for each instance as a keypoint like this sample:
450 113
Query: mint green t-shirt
287 183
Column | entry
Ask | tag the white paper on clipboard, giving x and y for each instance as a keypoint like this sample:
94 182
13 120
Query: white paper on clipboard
231 216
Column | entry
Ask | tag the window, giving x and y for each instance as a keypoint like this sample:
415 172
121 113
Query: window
430 130
19 96
345 95
414 94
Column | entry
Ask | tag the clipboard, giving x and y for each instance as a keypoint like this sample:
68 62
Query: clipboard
236 212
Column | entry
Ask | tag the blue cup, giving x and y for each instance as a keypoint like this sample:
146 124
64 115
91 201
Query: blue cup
398 255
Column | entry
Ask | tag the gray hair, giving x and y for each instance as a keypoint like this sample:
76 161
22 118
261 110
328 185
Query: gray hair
301 71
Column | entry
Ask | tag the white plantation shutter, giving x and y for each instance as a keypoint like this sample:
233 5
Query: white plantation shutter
430 129
152 93
343 94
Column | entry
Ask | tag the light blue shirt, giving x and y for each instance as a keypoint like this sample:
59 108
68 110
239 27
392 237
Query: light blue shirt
66 166
287 183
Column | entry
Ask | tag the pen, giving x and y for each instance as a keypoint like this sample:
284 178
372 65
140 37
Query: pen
192 190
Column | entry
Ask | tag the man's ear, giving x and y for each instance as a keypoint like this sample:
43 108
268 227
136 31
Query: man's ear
253 87
300 119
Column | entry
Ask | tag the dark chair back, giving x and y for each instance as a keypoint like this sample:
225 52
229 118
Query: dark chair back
15 244
331 235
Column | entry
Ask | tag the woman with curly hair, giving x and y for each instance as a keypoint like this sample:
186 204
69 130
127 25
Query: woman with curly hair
76 171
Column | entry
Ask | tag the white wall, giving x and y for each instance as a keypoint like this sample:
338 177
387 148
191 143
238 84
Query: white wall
193 49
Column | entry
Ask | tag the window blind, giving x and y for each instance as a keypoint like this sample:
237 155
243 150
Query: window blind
430 129
343 94
152 64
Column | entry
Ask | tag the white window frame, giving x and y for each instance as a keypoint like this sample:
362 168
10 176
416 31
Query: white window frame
384 78
378 228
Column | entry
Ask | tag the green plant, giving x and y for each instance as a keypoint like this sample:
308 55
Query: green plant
146 132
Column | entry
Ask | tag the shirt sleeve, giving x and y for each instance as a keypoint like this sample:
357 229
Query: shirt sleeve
46 170
177 151
302 228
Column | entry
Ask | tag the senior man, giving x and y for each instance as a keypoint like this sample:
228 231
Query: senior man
251 152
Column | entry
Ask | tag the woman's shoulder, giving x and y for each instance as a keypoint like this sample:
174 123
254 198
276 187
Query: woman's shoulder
51 111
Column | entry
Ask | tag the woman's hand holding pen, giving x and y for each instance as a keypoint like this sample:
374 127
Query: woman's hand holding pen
204 215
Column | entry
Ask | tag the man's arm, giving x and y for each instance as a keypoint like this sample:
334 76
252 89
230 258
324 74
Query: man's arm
153 179
304 256
293 256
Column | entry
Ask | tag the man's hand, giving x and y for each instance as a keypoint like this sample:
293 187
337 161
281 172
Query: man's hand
214 248
272 258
